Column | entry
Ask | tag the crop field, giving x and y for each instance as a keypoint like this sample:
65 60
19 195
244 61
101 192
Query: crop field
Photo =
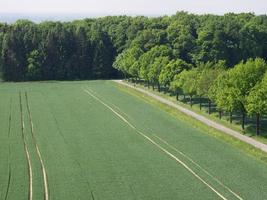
94 140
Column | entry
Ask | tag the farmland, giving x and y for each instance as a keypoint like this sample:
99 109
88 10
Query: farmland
93 140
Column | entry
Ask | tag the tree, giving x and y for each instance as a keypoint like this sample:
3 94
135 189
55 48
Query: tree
257 101
35 63
233 88
173 68
243 78
92 48
208 74
176 85
127 61
182 35
189 82
148 58
155 69
149 38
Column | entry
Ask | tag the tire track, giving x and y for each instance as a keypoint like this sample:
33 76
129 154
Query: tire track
171 147
9 149
200 167
26 148
159 146
59 131
114 106
45 183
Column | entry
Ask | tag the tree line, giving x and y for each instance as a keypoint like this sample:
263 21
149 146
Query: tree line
218 58
87 49
55 51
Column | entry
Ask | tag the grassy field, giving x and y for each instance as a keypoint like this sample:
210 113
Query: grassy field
98 141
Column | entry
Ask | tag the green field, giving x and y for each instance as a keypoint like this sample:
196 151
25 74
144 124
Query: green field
98 142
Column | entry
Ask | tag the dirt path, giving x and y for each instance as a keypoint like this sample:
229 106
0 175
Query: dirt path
46 194
200 118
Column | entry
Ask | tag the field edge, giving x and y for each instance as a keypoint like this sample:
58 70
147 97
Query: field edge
238 144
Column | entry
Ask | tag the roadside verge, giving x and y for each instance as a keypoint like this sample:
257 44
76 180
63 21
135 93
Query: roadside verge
200 118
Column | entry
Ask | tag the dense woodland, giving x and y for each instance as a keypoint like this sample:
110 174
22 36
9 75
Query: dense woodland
219 58
86 49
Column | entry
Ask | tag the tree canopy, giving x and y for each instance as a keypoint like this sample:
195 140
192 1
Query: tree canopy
87 49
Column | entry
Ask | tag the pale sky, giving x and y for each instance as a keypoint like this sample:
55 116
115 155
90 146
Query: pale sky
131 7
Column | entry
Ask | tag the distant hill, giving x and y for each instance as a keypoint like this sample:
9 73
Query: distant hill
12 17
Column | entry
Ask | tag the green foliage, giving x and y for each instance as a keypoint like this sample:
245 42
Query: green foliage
182 36
127 61
155 69
148 58
230 91
207 76
87 49
257 99
176 83
34 65
189 81
186 81
173 68
54 50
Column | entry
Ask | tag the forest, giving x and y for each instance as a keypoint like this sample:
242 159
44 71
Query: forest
219 58
87 49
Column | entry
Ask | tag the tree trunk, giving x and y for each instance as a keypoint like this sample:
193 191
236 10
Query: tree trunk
191 102
230 117
209 107
177 96
258 125
243 120
200 104
158 87
220 114
165 89
153 87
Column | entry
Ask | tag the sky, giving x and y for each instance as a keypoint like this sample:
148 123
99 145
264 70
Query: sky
87 8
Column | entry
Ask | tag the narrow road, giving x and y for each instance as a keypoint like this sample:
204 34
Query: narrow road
200 118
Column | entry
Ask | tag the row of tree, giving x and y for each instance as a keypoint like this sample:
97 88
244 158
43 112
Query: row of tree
242 88
86 49
209 56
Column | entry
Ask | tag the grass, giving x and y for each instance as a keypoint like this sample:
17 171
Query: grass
250 127
240 145
89 152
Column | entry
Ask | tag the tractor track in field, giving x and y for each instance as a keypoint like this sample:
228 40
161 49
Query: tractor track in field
67 144
9 149
45 183
30 192
200 167
75 160
114 106
211 187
